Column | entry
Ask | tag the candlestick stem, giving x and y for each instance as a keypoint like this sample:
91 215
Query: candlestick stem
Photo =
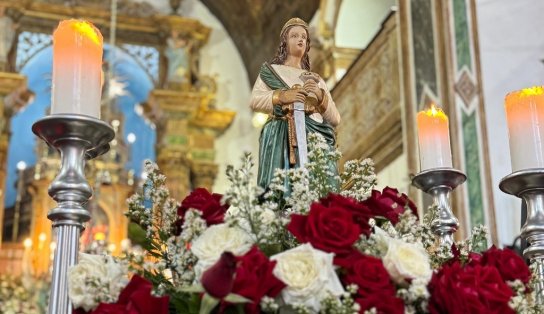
439 183
529 185
77 138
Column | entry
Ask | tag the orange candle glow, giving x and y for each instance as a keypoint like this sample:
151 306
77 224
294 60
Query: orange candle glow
434 139
525 117
77 66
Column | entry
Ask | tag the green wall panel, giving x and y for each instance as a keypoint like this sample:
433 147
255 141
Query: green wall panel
472 164
423 45
462 38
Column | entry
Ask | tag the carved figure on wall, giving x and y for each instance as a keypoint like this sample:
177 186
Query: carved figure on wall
175 4
280 84
13 103
178 54
7 34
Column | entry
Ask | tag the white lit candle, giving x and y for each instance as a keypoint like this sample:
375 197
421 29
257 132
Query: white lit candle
77 67
434 139
525 117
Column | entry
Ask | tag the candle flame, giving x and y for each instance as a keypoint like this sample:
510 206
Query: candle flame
99 236
526 94
88 30
82 28
532 91
435 112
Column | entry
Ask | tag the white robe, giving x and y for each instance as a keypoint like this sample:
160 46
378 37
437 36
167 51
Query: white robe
261 96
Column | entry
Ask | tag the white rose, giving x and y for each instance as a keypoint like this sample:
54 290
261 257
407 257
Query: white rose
309 274
103 271
407 261
215 240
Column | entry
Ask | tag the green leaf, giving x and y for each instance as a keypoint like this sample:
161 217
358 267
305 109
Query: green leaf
236 298
208 304
179 305
193 289
136 234
194 303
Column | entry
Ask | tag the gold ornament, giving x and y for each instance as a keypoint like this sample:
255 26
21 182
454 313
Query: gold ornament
295 21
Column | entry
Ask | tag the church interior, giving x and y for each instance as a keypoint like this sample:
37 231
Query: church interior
178 76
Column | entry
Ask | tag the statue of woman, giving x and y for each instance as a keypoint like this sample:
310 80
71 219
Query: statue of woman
177 53
278 86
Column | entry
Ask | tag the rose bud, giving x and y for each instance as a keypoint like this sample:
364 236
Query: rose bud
218 279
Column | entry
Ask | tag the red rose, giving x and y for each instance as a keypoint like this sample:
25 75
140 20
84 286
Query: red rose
399 198
474 289
510 265
330 229
208 204
389 203
369 274
361 212
219 279
135 298
254 279
384 304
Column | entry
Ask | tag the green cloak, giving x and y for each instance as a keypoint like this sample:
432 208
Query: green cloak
274 139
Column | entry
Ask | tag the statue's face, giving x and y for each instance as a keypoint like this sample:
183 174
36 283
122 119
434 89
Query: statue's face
297 39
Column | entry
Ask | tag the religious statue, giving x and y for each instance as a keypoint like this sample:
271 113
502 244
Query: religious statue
13 103
283 82
177 53
7 33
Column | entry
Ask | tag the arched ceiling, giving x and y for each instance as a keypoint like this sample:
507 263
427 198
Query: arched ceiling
254 25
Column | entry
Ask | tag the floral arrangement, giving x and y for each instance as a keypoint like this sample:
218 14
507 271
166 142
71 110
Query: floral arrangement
23 294
303 245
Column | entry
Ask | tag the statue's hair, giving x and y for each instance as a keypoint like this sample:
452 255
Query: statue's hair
281 53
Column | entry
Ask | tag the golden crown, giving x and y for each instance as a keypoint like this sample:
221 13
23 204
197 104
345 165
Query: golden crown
295 21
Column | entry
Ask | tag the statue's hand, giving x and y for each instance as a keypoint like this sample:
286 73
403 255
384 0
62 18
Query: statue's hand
311 86
293 95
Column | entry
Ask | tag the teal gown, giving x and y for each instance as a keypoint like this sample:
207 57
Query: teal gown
274 139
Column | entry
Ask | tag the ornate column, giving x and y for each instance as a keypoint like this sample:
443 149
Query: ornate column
204 174
206 126
171 112
10 83
186 123
40 229
113 202
186 132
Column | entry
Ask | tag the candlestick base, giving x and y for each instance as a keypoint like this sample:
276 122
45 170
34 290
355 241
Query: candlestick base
439 183
529 185
77 138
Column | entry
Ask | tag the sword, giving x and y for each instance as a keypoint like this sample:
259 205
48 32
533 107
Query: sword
300 132
300 118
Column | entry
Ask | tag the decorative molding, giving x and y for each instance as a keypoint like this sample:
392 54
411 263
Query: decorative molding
186 137
147 57
217 120
134 26
28 45
9 82
368 99
466 88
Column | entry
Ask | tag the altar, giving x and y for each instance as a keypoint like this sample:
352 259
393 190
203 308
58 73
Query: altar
376 146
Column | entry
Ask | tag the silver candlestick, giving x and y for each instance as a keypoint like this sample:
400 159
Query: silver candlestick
439 183
77 138
529 185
